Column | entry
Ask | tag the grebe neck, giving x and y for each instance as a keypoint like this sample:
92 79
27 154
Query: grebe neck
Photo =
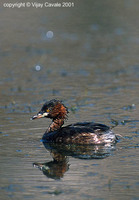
55 125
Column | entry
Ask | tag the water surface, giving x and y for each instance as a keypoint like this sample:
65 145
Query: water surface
90 61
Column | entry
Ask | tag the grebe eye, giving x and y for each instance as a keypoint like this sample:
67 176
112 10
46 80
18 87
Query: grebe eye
48 110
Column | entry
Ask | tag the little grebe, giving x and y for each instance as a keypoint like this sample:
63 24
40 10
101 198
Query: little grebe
79 133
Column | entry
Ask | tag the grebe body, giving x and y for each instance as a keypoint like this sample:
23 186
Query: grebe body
78 133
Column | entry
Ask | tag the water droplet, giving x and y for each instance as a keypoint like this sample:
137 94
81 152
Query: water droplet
49 34
37 67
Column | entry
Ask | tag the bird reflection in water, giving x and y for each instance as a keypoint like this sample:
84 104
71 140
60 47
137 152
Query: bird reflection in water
56 168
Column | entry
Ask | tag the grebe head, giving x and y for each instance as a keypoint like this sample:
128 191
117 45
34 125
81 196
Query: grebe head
53 109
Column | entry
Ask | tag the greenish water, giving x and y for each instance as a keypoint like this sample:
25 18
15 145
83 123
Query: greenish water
87 56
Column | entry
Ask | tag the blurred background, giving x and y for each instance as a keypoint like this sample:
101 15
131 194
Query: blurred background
87 56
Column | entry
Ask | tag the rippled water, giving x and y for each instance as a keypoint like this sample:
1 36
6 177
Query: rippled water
88 57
